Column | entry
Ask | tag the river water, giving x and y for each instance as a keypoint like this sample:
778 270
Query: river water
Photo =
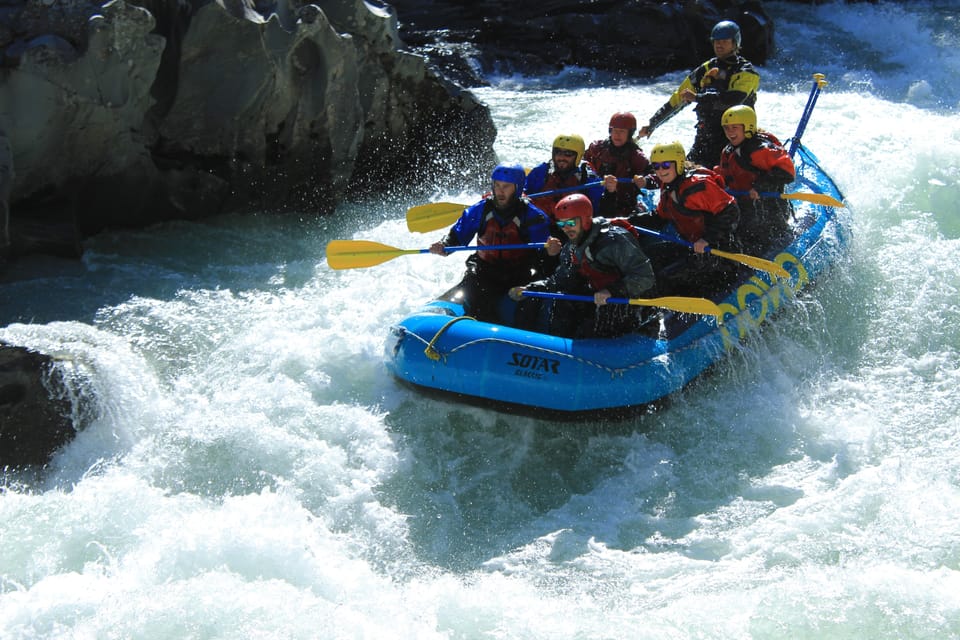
248 469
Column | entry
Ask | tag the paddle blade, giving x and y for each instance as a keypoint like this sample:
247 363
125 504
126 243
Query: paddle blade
752 261
357 254
700 306
433 216
816 198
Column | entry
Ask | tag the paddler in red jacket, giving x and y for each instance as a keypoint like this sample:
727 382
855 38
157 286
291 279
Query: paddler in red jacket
754 161
695 206
619 156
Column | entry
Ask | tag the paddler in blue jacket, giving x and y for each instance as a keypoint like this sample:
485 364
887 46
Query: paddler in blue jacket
501 218
566 168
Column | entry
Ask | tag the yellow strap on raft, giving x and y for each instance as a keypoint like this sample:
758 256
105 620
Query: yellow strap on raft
432 353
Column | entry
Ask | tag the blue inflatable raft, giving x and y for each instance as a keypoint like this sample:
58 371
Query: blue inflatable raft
437 348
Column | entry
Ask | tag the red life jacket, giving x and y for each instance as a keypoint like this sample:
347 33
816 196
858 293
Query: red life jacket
741 166
623 163
547 204
493 232
700 192
599 280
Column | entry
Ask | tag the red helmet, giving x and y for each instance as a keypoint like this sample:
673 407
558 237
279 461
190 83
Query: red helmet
575 205
623 120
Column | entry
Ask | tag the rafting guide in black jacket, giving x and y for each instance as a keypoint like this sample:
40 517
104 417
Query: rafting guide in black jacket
602 259
716 85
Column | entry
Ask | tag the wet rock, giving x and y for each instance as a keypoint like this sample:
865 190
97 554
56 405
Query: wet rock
135 112
6 184
34 410
627 38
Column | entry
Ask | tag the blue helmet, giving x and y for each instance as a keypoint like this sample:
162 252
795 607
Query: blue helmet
512 173
726 30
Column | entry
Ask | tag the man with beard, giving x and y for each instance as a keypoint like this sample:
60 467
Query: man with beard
503 217
601 259
565 169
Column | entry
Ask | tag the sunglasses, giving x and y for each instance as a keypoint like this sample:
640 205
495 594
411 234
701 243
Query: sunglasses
565 153
572 222
661 165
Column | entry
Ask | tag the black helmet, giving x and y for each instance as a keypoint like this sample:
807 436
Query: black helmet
726 30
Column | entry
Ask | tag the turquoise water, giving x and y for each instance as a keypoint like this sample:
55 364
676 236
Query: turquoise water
249 470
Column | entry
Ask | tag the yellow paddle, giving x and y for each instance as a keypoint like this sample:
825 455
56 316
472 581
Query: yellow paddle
357 254
816 198
751 261
430 217
437 215
700 306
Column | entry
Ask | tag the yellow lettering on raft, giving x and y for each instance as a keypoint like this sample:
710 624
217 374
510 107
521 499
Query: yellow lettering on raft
769 296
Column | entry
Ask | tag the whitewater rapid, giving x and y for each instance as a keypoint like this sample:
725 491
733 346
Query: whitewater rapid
248 469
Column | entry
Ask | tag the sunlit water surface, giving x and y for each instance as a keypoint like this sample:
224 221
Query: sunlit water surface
249 469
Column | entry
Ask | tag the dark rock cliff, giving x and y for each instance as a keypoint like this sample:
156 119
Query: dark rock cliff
133 112
628 38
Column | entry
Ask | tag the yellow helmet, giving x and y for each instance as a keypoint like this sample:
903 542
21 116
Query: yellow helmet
741 114
570 142
672 152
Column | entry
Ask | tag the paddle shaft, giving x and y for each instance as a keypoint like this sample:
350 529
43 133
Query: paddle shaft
577 187
475 247
700 306
818 83
574 298
669 238
754 262
358 254
498 247
762 194
677 109
437 215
